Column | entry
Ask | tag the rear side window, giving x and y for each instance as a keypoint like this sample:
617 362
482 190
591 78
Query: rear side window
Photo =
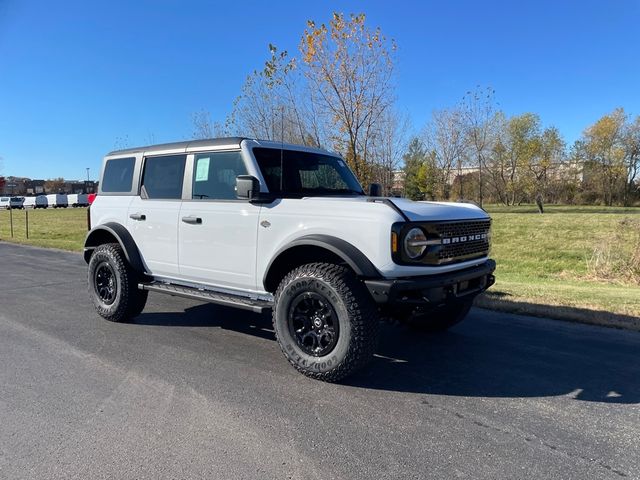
118 175
162 177
214 175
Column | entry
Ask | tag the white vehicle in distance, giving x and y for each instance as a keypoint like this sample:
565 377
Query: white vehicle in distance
76 200
9 203
57 200
266 226
29 202
41 202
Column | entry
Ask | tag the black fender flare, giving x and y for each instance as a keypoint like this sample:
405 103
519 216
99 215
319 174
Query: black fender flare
353 257
96 236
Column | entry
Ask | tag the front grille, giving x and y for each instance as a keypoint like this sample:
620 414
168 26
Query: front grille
454 229
460 246
462 240
448 242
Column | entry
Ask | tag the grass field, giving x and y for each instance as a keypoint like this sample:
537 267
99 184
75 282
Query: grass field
63 228
542 260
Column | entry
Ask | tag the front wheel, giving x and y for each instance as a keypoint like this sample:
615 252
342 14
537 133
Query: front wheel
113 286
325 321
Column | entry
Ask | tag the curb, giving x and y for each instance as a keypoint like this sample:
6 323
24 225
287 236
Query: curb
559 312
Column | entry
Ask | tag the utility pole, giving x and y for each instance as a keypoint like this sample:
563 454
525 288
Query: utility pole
88 174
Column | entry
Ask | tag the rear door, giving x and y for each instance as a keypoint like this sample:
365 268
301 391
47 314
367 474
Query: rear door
217 231
153 214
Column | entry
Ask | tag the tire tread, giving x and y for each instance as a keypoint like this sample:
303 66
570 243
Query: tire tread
363 317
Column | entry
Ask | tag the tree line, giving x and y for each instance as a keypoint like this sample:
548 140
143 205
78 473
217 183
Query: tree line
337 92
475 152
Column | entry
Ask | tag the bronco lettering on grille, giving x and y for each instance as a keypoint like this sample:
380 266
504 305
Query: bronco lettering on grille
468 238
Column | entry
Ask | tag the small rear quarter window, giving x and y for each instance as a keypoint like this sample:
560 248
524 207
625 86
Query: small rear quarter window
118 175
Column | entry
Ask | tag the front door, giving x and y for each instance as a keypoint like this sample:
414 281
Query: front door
217 233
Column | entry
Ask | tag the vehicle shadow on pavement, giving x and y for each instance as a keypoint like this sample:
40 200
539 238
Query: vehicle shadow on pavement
478 358
496 359
209 315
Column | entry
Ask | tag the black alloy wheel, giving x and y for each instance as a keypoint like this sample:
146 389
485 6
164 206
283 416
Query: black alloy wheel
314 324
105 282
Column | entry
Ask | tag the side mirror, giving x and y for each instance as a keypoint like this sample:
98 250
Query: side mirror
247 187
375 190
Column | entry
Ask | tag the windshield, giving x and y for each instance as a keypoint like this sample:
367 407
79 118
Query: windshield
305 174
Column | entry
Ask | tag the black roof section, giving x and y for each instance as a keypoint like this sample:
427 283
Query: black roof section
209 142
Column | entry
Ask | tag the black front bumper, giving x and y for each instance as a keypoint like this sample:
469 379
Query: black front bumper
433 290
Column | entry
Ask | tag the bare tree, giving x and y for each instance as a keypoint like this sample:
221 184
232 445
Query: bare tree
121 143
604 148
55 185
631 139
387 147
272 106
202 125
445 136
479 114
349 67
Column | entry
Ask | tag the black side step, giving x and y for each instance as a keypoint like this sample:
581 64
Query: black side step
229 300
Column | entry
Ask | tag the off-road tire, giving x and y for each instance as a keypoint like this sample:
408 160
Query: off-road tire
438 319
140 302
125 300
353 307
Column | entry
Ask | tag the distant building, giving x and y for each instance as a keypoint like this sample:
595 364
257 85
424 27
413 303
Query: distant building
15 186
35 187
26 186
79 186
397 186
460 172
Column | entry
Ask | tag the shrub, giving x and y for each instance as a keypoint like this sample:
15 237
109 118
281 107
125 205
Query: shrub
617 257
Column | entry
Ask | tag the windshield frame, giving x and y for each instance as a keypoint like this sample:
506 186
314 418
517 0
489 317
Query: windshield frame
284 155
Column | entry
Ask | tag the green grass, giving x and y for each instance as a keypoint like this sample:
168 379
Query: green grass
542 259
63 228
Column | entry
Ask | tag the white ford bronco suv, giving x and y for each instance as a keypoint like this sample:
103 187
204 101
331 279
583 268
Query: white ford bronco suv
265 226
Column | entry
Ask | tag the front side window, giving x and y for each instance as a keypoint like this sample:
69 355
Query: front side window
214 175
118 175
163 176
291 173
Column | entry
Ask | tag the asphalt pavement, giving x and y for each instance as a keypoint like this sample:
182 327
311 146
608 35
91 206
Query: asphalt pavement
191 390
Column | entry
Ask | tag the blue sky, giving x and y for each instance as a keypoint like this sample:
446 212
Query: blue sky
76 76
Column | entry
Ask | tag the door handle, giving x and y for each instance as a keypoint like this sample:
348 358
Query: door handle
138 216
192 220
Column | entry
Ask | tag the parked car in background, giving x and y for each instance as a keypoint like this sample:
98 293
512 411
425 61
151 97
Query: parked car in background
41 202
11 202
78 200
29 202
58 200
91 197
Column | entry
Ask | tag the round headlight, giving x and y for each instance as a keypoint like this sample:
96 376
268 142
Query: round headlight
415 243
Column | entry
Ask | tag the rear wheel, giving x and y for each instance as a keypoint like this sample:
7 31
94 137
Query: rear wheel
438 319
113 285
325 321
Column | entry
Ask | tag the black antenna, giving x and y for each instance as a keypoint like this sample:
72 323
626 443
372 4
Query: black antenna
281 148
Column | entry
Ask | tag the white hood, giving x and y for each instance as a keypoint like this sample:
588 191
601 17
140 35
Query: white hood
414 211
427 211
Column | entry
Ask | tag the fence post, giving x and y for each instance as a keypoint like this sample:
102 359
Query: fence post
11 220
26 221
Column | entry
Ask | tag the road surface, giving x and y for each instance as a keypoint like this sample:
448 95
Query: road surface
193 390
